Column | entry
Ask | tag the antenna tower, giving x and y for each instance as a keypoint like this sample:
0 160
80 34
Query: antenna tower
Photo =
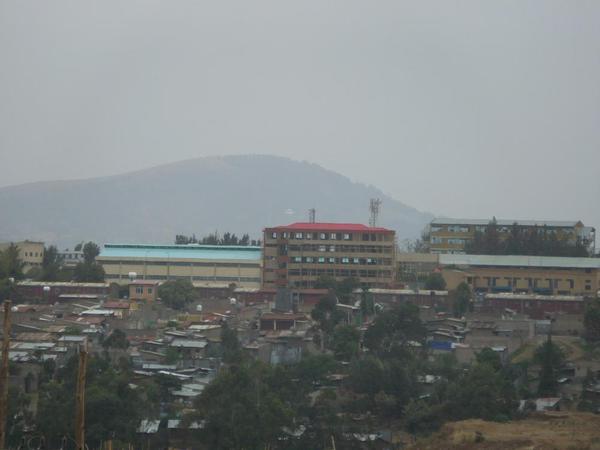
374 209
312 214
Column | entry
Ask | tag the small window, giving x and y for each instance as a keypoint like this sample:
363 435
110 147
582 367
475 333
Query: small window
322 248
347 236
298 235
356 261
149 290
332 248
297 259
309 236
345 260
285 235
309 259
332 260
274 235
332 236
322 236
139 290
321 260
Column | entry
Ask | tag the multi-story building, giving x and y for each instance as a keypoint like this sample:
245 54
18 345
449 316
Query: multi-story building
203 265
31 253
297 255
70 258
454 235
548 275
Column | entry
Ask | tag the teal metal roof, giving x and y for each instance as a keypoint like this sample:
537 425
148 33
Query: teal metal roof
519 261
190 251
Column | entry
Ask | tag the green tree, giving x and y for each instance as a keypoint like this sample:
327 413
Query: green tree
117 339
90 251
327 316
230 344
395 331
489 357
11 265
89 271
51 264
462 299
345 342
245 407
177 294
591 321
550 357
435 281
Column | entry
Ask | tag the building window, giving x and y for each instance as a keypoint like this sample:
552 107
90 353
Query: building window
356 261
332 260
321 260
298 235
309 259
139 290
332 236
285 235
308 235
322 236
297 259
322 248
274 235
332 248
149 290
345 260
347 236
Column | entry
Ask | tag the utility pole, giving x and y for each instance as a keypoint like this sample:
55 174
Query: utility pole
4 374
80 399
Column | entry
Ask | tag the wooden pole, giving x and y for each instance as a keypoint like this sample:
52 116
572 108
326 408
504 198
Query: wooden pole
80 399
4 374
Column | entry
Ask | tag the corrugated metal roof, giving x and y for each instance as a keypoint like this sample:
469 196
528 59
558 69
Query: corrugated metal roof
519 261
191 251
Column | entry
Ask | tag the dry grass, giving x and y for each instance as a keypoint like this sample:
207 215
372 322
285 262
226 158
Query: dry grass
570 431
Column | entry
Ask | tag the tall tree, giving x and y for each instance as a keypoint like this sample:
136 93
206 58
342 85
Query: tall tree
462 299
11 265
550 358
177 294
591 321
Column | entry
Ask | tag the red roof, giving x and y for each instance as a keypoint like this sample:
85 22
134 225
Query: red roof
328 226
116 305
144 282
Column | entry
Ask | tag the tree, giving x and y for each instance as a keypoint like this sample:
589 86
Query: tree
591 321
90 251
230 344
117 339
51 264
462 299
435 281
489 357
395 331
345 342
550 357
327 316
11 265
246 407
177 294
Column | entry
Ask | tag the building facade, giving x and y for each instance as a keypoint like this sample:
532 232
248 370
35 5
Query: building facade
297 255
31 253
203 265
454 235
547 275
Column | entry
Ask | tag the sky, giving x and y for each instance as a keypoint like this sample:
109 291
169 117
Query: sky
460 108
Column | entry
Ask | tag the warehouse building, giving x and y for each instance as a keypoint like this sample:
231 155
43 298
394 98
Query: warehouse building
203 265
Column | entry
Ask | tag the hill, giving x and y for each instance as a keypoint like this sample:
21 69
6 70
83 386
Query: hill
235 193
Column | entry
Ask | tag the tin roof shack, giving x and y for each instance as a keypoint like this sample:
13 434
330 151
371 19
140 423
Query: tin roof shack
287 346
52 292
446 329
281 321
534 305
250 296
184 436
352 314
540 404
119 308
190 351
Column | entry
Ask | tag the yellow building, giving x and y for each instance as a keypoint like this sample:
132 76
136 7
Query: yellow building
203 265
454 235
522 274
31 253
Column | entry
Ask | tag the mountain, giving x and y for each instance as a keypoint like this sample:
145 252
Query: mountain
231 193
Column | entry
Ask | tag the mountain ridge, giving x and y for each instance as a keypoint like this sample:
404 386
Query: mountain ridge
237 193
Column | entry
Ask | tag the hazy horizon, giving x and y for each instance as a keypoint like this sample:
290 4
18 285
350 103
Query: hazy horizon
471 109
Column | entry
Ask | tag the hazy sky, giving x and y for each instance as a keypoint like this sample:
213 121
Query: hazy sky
466 108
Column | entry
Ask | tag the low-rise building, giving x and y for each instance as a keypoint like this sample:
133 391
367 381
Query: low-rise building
31 253
143 290
203 265
59 291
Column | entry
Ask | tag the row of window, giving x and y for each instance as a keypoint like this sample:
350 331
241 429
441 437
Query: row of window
340 248
179 263
33 254
178 277
342 260
340 273
551 283
327 236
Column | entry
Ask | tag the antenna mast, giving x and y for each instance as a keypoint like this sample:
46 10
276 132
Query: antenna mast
312 214
374 209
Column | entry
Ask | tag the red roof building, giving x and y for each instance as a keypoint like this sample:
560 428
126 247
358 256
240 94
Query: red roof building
296 255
